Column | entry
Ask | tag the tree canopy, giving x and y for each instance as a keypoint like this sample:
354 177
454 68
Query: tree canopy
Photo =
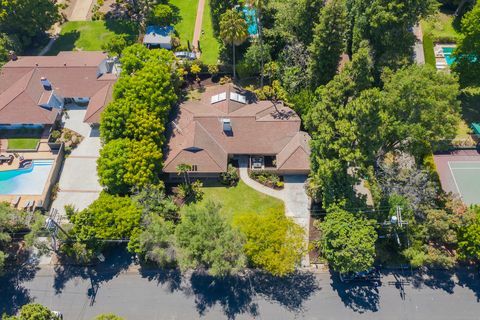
274 242
467 54
206 240
33 311
348 241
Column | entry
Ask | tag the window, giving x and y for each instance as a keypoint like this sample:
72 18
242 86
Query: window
227 125
194 167
218 98
238 97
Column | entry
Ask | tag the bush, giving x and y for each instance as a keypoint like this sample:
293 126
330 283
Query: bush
56 134
230 177
267 178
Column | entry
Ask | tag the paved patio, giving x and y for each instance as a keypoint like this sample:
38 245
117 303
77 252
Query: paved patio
79 181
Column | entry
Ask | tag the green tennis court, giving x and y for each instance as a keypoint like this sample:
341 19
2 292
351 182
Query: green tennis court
466 175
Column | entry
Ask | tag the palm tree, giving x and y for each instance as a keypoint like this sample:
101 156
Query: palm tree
259 5
184 168
233 30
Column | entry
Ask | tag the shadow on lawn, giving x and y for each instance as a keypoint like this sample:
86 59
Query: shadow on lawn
65 42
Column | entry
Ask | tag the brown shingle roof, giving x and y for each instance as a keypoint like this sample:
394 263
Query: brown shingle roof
296 154
257 128
72 74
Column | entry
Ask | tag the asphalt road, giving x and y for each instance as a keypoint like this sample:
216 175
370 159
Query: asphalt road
136 293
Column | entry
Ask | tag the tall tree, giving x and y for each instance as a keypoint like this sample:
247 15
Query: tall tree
259 5
26 19
328 42
206 240
387 25
233 31
347 241
467 54
34 311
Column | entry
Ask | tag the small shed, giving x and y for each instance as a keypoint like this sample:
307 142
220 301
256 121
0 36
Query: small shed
158 37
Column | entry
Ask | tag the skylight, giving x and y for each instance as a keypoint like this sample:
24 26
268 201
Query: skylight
238 97
219 97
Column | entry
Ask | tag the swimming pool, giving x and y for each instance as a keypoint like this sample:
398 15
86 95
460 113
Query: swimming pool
250 17
28 181
447 53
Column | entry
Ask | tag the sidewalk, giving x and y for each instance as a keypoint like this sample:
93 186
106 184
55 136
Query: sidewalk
198 27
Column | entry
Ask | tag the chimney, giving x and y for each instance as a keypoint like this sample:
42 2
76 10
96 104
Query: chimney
46 84
12 55
109 64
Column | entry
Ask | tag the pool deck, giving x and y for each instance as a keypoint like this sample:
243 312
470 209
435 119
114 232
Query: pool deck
43 153
440 61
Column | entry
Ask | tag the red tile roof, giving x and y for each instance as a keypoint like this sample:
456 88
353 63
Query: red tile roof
72 74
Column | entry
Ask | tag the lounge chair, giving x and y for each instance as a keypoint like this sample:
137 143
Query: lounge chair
15 201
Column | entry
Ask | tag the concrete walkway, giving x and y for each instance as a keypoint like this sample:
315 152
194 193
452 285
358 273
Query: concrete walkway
81 10
297 203
418 47
198 27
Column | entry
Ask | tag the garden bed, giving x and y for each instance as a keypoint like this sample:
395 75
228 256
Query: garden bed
267 178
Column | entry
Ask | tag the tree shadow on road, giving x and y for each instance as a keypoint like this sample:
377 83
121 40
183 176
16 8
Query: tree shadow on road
117 260
434 279
359 296
469 277
13 295
172 277
236 294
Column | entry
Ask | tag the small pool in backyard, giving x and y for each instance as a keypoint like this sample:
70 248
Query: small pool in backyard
448 54
26 181
250 17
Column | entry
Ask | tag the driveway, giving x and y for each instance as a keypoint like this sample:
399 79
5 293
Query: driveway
78 180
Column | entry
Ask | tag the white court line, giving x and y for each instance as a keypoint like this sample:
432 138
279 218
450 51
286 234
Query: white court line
465 168
454 180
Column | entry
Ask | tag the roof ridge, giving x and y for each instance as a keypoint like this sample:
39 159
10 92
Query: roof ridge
21 89
208 133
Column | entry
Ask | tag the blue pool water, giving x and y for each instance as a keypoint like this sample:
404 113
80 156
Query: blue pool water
250 17
28 181
447 52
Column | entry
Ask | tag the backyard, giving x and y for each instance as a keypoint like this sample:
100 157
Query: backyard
23 143
208 43
188 12
239 199
90 35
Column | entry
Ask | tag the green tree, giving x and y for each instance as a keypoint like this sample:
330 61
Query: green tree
467 54
328 42
116 45
26 19
124 164
129 118
156 241
109 217
387 25
7 44
135 57
274 242
469 238
253 55
206 240
163 15
233 31
260 5
347 241
33 311
184 169
153 200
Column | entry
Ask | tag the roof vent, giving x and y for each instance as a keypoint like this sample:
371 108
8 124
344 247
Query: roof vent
227 125
238 97
46 84
219 98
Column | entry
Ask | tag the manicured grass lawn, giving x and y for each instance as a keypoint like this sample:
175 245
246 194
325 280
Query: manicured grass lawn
90 35
208 43
428 50
440 28
188 12
23 143
239 199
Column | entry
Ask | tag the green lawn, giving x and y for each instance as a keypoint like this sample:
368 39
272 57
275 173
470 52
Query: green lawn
23 143
208 43
440 27
188 13
239 199
428 50
90 35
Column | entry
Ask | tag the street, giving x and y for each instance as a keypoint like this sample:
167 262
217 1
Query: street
138 293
